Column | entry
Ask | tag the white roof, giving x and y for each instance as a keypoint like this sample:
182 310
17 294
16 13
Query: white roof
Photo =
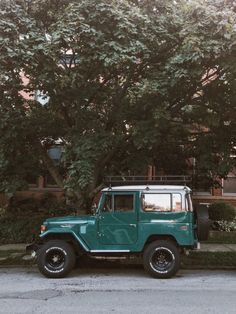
147 188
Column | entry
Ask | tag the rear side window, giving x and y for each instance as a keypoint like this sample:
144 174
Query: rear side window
162 202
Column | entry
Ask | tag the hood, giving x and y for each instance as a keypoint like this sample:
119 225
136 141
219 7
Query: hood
69 219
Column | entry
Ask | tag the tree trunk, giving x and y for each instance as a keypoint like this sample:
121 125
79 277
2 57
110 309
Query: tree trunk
83 200
48 162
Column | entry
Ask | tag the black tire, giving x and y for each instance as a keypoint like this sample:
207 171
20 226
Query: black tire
56 258
203 222
161 259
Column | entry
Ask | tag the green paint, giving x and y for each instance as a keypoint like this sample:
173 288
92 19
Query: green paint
126 230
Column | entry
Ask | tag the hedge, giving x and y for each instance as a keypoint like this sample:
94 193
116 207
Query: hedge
222 211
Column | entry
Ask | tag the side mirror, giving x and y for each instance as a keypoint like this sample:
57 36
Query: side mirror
94 208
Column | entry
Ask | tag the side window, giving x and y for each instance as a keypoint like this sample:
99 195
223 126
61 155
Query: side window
176 202
124 203
162 202
157 202
107 207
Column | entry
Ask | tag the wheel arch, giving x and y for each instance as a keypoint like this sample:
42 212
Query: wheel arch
67 237
155 237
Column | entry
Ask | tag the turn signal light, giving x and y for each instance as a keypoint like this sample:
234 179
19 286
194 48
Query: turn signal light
43 228
184 228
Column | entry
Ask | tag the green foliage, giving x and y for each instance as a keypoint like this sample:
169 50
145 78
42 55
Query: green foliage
48 204
20 222
21 230
211 260
222 237
225 225
129 83
222 211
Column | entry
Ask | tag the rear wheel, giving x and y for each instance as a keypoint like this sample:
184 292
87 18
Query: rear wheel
161 259
56 259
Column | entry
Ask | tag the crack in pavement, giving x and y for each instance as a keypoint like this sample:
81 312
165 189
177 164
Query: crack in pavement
108 290
43 295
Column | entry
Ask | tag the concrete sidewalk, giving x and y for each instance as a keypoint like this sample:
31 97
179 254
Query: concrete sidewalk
213 247
19 247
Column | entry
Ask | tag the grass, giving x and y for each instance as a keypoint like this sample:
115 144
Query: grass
9 252
222 237
209 260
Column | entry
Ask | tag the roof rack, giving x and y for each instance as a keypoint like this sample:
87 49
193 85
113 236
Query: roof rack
146 180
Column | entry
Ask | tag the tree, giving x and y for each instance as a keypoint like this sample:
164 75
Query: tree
129 83
196 84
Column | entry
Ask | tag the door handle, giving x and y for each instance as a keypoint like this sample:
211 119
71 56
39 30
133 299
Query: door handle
132 225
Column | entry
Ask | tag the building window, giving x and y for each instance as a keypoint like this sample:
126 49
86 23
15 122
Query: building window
42 98
55 154
229 184
201 185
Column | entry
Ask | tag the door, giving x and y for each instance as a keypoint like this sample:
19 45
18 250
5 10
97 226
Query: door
118 219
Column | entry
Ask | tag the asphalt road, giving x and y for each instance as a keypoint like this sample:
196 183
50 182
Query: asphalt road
126 290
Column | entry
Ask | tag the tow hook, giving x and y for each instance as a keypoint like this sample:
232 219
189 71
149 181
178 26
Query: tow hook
33 254
32 249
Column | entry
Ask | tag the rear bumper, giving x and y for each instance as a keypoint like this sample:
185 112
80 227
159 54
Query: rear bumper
197 246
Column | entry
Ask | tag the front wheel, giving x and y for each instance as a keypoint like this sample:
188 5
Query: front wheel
56 259
161 259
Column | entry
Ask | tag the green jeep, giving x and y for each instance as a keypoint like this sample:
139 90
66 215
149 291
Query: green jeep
155 221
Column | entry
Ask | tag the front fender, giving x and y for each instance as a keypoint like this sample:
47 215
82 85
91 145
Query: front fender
70 232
